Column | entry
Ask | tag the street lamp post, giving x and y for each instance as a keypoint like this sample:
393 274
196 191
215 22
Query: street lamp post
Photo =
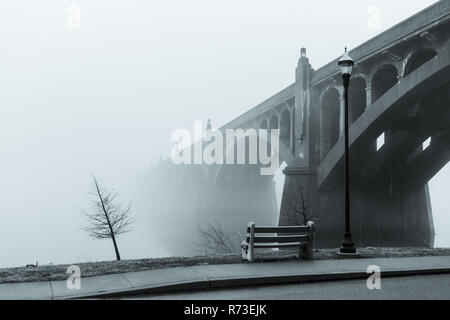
346 65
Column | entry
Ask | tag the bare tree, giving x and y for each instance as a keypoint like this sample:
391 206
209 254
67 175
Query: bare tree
106 217
212 238
300 209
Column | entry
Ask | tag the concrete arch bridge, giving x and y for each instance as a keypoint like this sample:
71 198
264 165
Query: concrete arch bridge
399 96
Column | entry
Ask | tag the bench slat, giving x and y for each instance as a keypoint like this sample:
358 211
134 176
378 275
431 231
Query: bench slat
278 245
286 229
280 239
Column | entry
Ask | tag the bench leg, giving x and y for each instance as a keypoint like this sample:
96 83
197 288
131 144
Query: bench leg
251 254
301 251
247 253
244 250
307 251
309 246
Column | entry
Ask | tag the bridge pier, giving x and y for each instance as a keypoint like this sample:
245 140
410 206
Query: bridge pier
380 217
299 201
241 196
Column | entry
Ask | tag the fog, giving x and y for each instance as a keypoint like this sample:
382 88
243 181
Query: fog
106 97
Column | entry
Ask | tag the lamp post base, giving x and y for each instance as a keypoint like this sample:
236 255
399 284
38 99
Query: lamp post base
347 245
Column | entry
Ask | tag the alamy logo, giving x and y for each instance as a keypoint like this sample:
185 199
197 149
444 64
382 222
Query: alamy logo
374 281
73 21
210 147
74 280
374 17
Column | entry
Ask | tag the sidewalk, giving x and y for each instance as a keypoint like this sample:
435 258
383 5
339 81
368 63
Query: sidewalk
220 276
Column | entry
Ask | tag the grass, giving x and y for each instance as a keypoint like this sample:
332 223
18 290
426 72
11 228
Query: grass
89 269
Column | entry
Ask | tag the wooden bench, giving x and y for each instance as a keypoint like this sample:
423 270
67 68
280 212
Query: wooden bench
282 237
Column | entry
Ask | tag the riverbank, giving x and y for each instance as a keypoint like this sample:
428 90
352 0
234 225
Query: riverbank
90 269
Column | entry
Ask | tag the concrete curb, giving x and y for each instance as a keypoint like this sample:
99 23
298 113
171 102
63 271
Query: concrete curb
220 283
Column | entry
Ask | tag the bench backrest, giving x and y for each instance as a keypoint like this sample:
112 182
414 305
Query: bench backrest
284 234
287 229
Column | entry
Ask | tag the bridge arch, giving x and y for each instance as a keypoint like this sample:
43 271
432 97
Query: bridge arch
417 59
273 122
329 120
357 98
263 124
393 103
332 85
382 80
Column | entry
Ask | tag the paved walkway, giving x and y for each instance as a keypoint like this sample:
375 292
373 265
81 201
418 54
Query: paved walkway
221 276
421 287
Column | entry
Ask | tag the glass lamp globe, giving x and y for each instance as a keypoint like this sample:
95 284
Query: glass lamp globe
346 64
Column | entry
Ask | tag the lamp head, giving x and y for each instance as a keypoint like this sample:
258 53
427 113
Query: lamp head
346 63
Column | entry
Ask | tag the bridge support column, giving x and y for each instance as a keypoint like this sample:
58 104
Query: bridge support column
399 219
368 95
302 201
298 201
379 217
292 131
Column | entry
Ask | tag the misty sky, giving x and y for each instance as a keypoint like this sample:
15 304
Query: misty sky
105 99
